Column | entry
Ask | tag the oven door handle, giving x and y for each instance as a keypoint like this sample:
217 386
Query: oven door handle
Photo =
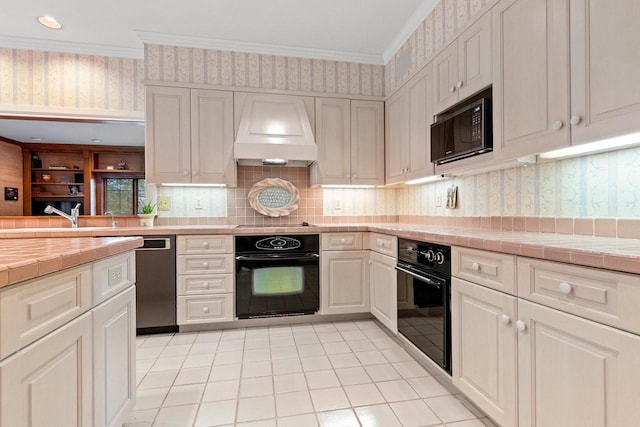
276 257
419 277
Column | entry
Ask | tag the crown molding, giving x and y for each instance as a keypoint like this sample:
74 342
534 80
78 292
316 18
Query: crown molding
259 48
423 10
71 47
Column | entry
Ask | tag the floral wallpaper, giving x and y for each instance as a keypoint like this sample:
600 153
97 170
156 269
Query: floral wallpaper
252 70
70 81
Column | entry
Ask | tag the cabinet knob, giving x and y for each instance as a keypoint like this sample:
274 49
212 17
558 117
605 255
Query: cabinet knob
475 266
205 244
370 262
205 284
520 325
205 264
205 309
459 84
343 240
348 175
557 125
452 89
575 120
185 172
505 319
565 288
194 173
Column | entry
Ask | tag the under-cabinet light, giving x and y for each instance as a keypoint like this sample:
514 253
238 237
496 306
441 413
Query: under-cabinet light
433 178
178 184
347 186
594 147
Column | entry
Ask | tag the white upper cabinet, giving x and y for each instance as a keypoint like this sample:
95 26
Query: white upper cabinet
605 77
350 139
464 67
189 136
531 75
409 118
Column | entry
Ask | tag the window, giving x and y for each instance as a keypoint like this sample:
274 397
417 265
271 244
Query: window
122 196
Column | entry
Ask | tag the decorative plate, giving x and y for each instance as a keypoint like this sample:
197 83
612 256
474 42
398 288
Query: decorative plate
274 197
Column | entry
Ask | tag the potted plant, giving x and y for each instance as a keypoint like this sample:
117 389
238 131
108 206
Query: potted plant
146 214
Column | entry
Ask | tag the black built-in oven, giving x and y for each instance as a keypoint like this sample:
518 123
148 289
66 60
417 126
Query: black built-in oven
277 275
424 295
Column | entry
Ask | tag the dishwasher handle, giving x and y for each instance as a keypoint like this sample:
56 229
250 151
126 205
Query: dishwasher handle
156 244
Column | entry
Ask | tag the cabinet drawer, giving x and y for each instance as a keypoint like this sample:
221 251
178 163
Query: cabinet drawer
112 275
386 245
32 310
205 284
341 241
603 296
205 264
205 309
205 244
494 270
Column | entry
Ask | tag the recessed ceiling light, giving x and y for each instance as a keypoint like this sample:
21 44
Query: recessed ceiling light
35 138
49 22
96 140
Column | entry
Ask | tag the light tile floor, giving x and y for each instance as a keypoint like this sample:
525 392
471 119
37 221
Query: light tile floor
337 374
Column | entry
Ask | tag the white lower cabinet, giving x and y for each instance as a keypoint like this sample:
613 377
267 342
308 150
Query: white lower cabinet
483 353
528 365
384 290
344 282
114 334
49 383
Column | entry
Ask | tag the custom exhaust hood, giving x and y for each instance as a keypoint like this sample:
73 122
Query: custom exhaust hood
274 130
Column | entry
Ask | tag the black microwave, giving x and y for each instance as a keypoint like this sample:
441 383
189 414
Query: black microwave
463 133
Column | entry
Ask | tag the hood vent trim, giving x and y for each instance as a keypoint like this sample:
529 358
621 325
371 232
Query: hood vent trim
274 127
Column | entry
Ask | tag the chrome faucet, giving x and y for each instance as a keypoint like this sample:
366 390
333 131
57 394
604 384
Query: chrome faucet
113 219
75 213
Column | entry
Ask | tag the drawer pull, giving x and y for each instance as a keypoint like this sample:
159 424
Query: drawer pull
205 284
205 244
205 309
475 266
205 264
520 325
343 240
505 319
565 288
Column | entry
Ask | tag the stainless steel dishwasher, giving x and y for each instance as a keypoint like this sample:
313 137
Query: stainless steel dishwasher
156 285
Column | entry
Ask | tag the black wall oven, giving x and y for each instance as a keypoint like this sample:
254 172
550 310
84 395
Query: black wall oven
424 295
277 275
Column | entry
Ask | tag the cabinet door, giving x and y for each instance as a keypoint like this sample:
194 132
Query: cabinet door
531 76
344 282
445 71
396 144
167 134
573 372
212 159
483 353
114 361
420 117
474 58
384 290
49 383
605 82
333 137
367 142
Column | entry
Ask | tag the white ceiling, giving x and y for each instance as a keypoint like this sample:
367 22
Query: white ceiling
368 31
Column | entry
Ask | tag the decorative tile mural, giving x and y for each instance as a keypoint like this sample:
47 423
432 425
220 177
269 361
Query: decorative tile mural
252 70
73 81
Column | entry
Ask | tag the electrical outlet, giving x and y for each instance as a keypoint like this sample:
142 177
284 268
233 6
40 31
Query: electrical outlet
199 204
164 203
438 200
337 205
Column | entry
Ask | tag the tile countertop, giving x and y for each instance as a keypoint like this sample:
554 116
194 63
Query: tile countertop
601 252
27 258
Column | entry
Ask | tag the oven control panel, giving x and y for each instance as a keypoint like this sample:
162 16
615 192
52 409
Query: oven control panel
278 243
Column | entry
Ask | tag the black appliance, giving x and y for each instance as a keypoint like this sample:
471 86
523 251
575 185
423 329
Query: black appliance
424 298
465 132
277 275
156 285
